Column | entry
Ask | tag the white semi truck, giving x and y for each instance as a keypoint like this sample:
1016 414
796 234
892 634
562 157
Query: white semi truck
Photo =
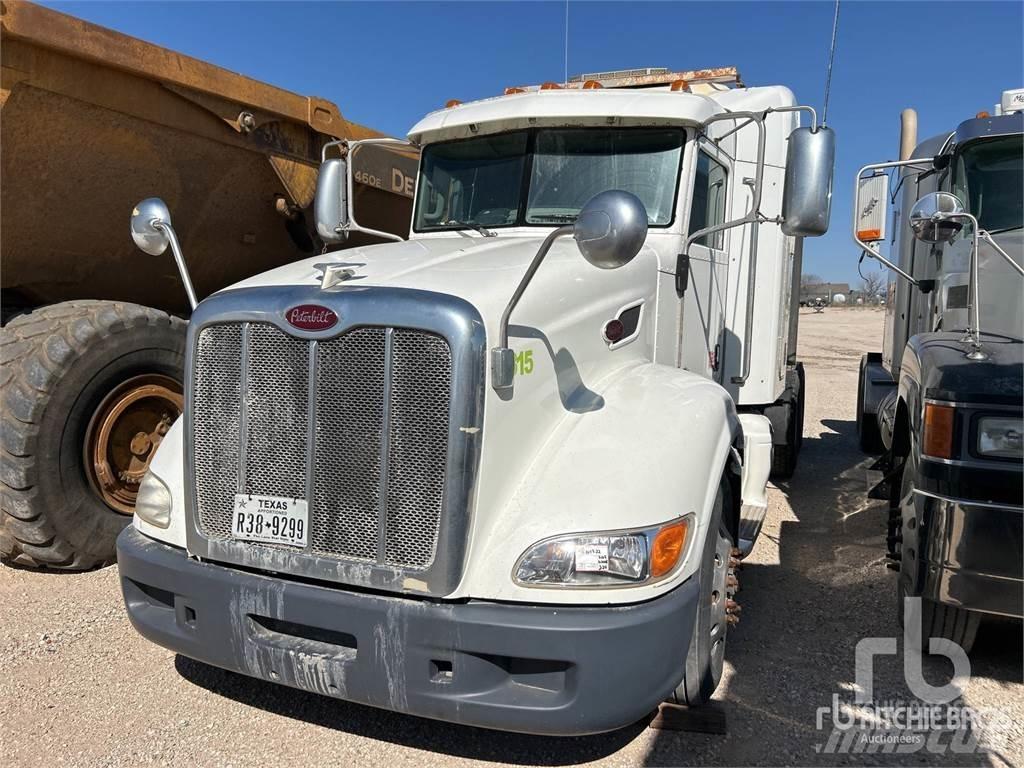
487 474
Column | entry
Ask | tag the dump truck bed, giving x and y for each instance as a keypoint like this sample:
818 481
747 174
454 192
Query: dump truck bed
94 120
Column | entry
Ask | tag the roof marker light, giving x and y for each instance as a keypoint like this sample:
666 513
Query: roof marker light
511 89
549 86
451 103
680 85
591 84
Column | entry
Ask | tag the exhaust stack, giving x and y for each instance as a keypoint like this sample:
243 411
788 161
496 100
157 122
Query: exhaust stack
908 133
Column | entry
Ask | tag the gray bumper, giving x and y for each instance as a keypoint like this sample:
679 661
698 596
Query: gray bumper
528 668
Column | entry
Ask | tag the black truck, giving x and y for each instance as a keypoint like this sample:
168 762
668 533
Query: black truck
942 402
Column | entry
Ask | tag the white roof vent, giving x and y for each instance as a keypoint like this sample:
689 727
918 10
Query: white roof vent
1013 101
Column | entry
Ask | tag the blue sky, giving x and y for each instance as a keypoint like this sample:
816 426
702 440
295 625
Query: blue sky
388 63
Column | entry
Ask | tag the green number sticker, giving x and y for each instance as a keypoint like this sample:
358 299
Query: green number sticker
524 362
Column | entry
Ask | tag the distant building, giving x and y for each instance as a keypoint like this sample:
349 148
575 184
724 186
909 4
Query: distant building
810 292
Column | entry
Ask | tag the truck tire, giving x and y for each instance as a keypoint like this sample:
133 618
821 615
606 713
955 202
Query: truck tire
938 620
705 656
869 437
88 390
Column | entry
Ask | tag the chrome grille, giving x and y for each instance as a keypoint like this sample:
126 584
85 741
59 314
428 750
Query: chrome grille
418 428
378 418
346 510
276 413
217 387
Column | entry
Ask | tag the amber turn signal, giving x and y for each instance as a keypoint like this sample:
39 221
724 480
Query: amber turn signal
938 431
667 548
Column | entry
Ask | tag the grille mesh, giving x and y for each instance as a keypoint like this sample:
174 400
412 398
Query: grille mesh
215 428
350 417
420 391
349 434
276 398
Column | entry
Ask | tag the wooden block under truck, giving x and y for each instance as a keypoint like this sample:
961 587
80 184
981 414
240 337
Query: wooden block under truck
488 474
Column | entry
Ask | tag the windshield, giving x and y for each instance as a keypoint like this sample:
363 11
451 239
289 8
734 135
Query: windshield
989 178
543 177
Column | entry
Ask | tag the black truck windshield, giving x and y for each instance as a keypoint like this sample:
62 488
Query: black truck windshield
542 177
989 178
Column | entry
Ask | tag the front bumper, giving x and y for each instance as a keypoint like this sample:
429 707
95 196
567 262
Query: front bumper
975 554
529 668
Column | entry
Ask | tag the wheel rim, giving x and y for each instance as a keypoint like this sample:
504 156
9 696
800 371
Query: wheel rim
124 433
719 598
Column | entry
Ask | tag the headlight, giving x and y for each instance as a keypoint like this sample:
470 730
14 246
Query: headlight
1000 437
153 503
605 559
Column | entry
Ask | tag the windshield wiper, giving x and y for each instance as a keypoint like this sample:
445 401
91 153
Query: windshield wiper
472 225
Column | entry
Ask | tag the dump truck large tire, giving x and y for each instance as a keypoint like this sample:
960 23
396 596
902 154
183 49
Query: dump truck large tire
88 390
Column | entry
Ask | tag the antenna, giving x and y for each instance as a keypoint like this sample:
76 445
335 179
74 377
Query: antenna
566 60
831 58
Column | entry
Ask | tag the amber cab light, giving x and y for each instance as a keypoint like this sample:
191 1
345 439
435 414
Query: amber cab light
869 234
451 103
938 431
512 89
667 548
591 85
551 87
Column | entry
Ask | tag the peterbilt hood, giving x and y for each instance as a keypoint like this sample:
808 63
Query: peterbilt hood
483 271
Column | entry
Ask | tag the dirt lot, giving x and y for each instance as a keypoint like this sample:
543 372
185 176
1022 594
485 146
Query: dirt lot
79 687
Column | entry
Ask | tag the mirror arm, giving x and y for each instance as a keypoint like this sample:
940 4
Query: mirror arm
752 217
179 259
348 150
853 224
502 359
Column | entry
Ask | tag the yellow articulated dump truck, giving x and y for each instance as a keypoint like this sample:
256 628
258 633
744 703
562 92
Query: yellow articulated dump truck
92 344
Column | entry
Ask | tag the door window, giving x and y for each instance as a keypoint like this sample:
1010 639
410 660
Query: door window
709 188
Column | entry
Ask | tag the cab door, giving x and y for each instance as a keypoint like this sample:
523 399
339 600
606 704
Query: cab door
701 339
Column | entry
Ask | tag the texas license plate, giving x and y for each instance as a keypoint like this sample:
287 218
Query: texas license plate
270 519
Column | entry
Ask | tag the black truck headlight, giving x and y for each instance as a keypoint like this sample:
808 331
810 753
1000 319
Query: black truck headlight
1000 437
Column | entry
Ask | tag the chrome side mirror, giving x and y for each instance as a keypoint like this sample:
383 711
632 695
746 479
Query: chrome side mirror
609 231
146 216
152 232
807 194
935 218
611 228
331 206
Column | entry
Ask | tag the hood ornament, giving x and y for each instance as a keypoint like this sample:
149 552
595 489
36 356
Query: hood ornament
335 274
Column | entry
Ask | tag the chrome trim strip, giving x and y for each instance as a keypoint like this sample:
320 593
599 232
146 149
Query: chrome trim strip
452 318
1000 464
979 406
969 503
385 450
311 438
243 407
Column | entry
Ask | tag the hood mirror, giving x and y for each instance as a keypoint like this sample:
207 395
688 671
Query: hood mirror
152 232
611 228
146 229
935 218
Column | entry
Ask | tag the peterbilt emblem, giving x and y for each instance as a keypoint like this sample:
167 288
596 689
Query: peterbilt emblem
311 317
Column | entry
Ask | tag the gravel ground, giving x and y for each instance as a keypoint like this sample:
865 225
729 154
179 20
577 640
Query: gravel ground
79 687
